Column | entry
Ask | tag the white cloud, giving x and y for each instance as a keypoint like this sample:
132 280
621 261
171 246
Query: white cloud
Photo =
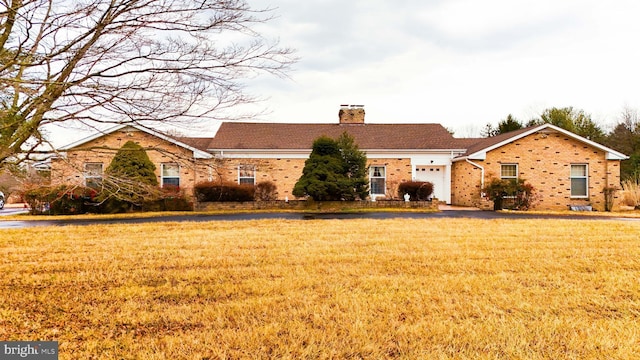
473 19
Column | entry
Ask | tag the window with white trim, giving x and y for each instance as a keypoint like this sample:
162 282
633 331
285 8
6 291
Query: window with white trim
93 175
378 180
509 171
579 181
170 174
247 174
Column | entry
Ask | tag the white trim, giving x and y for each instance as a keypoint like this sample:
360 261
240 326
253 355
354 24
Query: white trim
247 167
265 154
502 176
162 177
91 137
371 171
304 153
586 181
92 177
197 153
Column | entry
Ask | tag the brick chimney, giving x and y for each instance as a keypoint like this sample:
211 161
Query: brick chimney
351 114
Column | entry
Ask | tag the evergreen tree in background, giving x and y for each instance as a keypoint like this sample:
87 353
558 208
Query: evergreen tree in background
504 126
573 120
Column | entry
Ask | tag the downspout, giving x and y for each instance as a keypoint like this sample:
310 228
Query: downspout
482 176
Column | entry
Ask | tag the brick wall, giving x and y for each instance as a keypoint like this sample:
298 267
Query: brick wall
285 172
544 160
465 184
102 150
398 170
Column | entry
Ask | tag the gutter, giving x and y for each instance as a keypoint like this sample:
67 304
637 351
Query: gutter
482 194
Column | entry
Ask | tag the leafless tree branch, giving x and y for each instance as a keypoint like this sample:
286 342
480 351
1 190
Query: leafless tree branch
118 61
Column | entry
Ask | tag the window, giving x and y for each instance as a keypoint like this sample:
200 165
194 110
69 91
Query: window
377 180
170 174
246 174
93 175
509 171
579 181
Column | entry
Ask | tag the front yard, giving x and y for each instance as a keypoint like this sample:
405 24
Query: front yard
433 288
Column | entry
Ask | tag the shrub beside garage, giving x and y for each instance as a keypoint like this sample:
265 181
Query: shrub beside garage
417 190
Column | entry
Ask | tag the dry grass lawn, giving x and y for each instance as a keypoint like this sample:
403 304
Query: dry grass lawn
369 289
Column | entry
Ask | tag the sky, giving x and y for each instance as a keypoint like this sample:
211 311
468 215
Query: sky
459 63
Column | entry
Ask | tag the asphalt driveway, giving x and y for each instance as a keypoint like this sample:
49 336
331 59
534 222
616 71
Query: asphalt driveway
487 215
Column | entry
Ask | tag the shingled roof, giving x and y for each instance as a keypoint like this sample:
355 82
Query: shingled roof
243 135
200 143
474 145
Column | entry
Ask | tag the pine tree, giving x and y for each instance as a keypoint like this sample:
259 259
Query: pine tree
356 184
129 180
132 162
335 170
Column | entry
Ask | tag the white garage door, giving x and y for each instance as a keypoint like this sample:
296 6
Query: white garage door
434 175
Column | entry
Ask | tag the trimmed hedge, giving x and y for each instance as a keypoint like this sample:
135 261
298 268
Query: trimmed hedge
59 200
69 200
168 204
417 190
215 191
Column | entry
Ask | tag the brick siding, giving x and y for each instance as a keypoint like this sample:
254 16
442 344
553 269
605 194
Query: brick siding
544 160
102 150
284 173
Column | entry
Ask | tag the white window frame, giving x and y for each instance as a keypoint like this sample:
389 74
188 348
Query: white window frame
584 177
247 174
509 177
163 176
503 176
372 176
92 175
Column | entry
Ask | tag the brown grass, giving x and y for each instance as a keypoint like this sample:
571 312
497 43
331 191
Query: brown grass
373 289
162 214
631 192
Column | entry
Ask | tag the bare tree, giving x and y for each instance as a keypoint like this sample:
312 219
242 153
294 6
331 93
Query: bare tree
625 137
630 119
118 61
